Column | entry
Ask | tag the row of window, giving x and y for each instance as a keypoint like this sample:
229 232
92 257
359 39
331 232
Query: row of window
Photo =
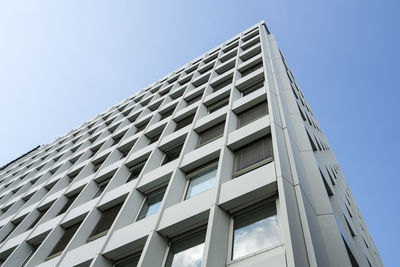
243 118
253 229
190 70
201 179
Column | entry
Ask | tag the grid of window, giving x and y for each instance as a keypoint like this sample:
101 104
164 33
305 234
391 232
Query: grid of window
122 155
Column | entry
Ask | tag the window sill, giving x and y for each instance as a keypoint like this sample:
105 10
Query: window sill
252 167
53 256
209 141
254 254
90 239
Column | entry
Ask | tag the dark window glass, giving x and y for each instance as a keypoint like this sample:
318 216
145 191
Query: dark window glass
64 240
97 165
117 139
222 85
211 133
194 100
141 127
218 105
151 204
251 114
184 122
30 254
106 220
253 153
68 204
172 154
125 152
101 188
251 69
135 171
166 114
154 138
40 216
252 88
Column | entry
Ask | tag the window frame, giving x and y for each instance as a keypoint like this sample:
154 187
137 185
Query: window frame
139 165
199 144
105 232
169 150
243 210
239 123
187 234
199 170
99 185
155 191
218 104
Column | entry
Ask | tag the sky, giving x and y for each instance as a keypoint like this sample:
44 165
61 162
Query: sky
63 62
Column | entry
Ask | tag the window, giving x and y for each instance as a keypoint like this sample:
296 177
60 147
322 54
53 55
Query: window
30 254
40 216
166 114
184 122
117 139
101 187
194 100
252 88
222 84
252 114
211 134
141 127
130 261
70 200
201 179
151 204
251 69
253 155
135 171
64 240
186 251
172 154
154 138
104 224
255 230
97 165
125 152
218 105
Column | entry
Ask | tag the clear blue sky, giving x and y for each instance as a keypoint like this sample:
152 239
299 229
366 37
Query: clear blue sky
63 62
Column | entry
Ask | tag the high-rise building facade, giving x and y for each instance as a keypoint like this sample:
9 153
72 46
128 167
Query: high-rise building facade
220 163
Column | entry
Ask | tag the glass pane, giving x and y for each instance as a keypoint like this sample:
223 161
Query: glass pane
186 252
151 204
255 230
64 240
201 183
106 220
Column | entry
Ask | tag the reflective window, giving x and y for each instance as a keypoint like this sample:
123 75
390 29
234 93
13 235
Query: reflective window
255 230
151 204
187 251
201 180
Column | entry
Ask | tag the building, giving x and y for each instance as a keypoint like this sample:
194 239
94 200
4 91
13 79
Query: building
220 163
